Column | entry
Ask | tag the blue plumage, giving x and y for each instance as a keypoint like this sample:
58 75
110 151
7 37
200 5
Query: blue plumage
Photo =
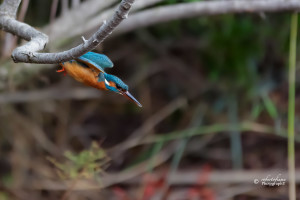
116 80
99 61
89 69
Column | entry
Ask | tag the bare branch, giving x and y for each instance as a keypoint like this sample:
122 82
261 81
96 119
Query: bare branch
10 8
202 8
38 40
146 18
161 14
10 42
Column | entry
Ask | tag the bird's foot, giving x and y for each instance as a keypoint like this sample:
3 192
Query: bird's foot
62 70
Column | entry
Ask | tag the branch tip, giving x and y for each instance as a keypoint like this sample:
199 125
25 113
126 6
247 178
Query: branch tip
83 39
126 5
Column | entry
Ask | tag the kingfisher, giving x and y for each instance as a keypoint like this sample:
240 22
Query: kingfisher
89 70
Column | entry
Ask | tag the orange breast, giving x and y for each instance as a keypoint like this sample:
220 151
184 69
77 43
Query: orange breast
83 74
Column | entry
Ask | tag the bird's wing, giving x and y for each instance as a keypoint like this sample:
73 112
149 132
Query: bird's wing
96 61
91 64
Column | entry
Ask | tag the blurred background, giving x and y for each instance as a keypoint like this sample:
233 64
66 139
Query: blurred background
214 91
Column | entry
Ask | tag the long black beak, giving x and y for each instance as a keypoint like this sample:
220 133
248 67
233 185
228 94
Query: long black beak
131 98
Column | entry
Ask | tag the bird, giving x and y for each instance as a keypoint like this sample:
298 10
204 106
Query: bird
89 70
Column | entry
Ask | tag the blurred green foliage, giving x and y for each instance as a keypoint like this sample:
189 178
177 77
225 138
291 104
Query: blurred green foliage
85 164
231 47
3 196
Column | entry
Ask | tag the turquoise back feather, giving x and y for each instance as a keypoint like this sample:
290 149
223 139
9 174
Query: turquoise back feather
100 61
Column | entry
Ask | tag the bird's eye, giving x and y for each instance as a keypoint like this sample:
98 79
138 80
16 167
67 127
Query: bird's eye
120 88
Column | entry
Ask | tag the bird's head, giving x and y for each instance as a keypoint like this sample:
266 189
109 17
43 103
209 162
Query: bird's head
116 85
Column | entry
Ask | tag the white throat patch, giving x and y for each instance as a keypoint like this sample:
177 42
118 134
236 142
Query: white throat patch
106 82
